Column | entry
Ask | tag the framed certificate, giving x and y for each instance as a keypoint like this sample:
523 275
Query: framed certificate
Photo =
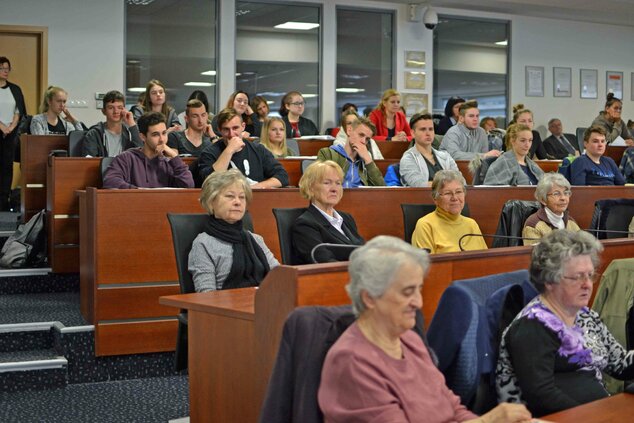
415 80
614 83
562 82
534 81
415 59
588 83
415 103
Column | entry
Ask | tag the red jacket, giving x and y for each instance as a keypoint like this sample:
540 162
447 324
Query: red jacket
400 121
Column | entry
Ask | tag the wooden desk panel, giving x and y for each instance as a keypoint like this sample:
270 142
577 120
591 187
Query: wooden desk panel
615 152
311 147
618 408
393 149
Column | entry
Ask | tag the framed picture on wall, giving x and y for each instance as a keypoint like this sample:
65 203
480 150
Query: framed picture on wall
415 80
534 81
588 79
415 59
614 83
562 82
414 103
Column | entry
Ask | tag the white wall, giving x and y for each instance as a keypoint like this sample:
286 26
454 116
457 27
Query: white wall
85 45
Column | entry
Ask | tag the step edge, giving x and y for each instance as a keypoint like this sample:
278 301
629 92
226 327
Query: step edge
53 363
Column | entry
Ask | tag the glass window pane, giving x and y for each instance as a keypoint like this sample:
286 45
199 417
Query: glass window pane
272 61
175 42
364 57
469 64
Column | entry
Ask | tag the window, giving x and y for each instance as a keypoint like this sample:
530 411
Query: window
471 61
173 41
272 60
364 57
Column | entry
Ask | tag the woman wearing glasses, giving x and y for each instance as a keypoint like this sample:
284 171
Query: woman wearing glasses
554 352
610 120
239 101
291 110
553 192
444 229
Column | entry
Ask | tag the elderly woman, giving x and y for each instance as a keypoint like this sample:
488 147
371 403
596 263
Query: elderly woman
420 163
610 120
515 167
54 117
226 255
321 184
553 192
379 370
390 121
553 353
273 138
592 167
347 117
444 229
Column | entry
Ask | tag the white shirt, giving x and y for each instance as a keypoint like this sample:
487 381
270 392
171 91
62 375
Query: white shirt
335 220
8 106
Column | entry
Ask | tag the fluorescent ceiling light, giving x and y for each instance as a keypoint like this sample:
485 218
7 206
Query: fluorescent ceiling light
502 43
209 73
198 84
302 26
309 95
350 90
136 89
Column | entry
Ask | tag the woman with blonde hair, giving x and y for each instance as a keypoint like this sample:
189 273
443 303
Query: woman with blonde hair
54 117
273 138
525 117
155 101
390 121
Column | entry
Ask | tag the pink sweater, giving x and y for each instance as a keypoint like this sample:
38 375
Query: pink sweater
360 383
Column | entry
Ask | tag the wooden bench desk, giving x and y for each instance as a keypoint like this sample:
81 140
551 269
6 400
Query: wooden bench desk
618 408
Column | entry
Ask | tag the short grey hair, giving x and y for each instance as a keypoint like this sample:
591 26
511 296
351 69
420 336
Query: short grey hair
443 177
373 266
546 184
555 249
217 182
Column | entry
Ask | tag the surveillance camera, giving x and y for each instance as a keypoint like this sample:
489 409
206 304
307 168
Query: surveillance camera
430 18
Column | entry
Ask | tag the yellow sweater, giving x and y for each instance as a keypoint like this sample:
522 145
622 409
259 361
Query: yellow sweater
440 232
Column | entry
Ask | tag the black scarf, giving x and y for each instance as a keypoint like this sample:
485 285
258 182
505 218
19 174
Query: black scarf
249 265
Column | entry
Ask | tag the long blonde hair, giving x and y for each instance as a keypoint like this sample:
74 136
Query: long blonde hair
264 135
384 98
50 92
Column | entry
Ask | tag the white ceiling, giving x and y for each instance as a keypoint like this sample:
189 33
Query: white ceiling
615 12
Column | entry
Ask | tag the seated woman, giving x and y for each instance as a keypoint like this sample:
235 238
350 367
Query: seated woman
525 117
552 354
390 121
226 255
379 370
553 192
291 109
610 120
54 117
515 167
347 117
273 138
155 101
239 101
592 167
494 134
261 108
452 115
420 163
321 184
444 230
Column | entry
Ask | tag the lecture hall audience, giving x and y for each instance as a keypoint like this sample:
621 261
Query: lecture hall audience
195 95
389 120
466 140
525 117
292 107
419 164
452 115
347 117
261 108
226 255
273 138
514 166
155 100
443 230
239 101
198 134
553 192
559 145
592 167
322 185
552 354
380 370
54 117
610 120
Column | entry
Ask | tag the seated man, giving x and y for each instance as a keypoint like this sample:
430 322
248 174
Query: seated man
155 165
118 133
253 160
198 134
354 157
466 140
560 145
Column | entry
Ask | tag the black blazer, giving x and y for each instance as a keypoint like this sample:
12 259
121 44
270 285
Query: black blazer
556 150
306 127
312 228
537 148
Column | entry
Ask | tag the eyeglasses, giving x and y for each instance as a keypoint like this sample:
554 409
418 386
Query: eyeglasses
298 103
582 277
5 69
451 194
559 194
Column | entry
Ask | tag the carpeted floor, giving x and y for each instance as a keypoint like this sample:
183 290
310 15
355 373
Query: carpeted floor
48 307
151 400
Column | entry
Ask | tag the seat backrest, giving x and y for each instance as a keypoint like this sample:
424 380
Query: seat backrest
514 214
291 144
612 215
413 212
285 219
75 143
103 166
480 172
306 163
580 131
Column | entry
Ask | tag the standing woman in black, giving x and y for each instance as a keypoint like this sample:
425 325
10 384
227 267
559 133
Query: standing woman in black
12 110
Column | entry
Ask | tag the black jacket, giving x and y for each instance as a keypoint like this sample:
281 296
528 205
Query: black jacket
556 150
306 127
94 142
19 99
312 228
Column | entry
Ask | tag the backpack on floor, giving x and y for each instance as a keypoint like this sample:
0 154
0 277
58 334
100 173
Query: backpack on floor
27 245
